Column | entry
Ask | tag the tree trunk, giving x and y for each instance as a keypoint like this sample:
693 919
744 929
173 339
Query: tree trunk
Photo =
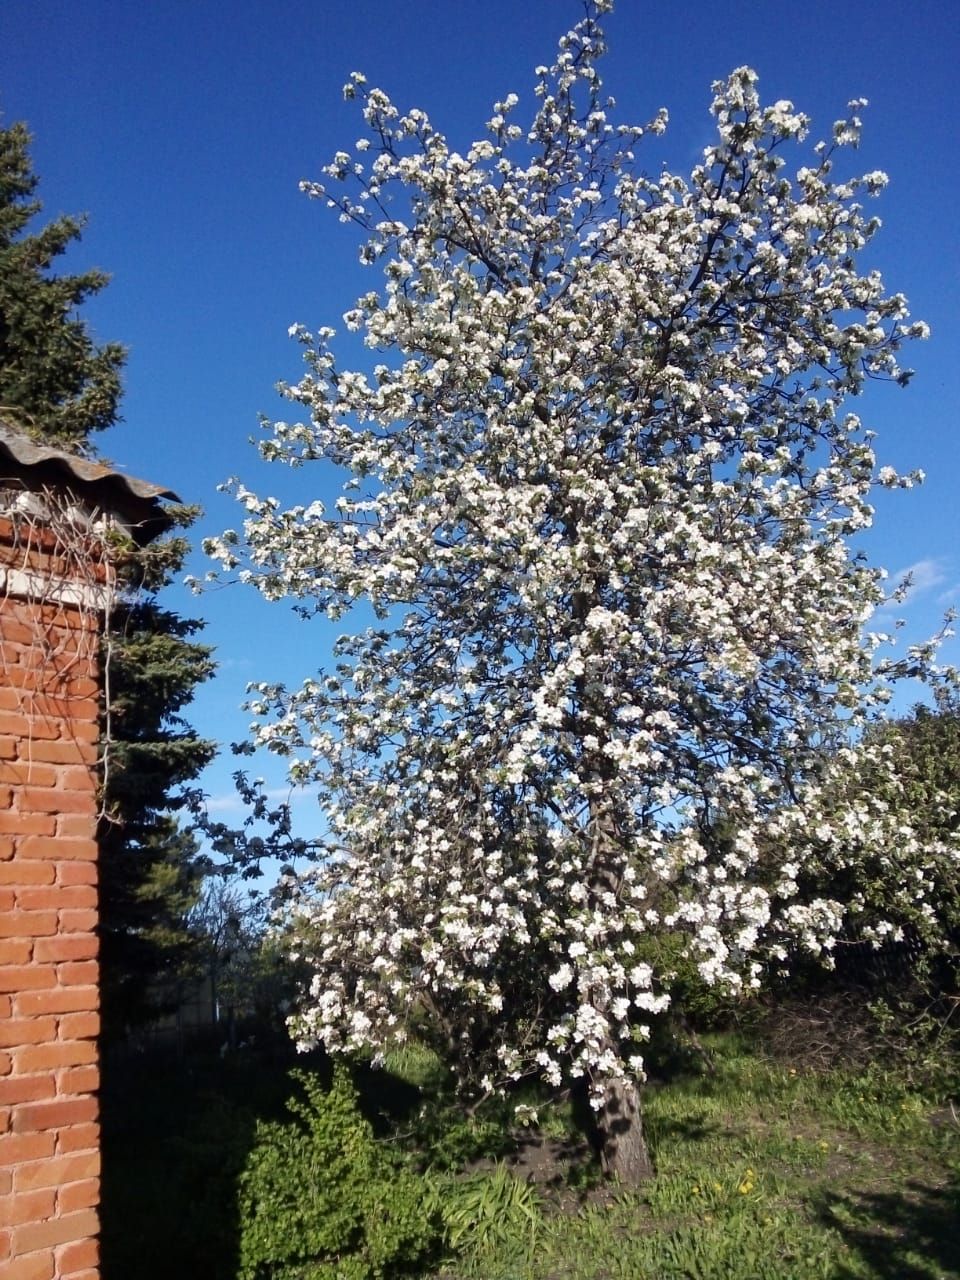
623 1151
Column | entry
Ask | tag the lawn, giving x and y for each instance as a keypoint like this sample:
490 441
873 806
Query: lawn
766 1171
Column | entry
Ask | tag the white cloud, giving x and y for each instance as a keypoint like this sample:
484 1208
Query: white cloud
234 664
231 801
924 575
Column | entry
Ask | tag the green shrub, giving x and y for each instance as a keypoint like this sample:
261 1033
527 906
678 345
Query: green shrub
320 1199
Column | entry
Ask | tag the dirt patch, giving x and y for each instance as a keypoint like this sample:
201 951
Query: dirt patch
564 1170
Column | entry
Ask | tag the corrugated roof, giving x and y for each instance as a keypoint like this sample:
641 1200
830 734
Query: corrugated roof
137 502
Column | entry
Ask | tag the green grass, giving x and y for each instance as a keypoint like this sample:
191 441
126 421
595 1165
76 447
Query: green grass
764 1172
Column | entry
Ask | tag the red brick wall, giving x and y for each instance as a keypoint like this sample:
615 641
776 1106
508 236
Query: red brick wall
49 1137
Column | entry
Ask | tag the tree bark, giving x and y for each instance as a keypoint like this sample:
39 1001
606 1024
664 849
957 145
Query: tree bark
623 1150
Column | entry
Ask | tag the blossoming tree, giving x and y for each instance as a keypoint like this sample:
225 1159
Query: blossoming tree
600 495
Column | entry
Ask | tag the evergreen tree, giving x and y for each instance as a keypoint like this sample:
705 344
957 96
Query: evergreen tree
54 381
58 386
151 872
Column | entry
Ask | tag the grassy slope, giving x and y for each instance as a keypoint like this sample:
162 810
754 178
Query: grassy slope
765 1172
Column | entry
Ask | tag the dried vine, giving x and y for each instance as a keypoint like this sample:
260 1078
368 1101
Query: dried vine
58 569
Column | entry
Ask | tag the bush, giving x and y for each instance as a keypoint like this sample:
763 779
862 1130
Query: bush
320 1199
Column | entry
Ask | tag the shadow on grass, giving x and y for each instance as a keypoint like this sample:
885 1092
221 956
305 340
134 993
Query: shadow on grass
668 1131
176 1136
913 1234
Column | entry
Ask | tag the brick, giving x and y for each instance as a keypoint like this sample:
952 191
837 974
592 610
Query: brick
62 1230
82 1254
66 616
57 1170
59 848
31 727
75 946
7 847
65 752
29 772
27 924
6 1182
56 703
14 631
78 826
76 848
78 973
47 1057
60 1113
66 715
27 977
30 1089
80 921
78 1137
27 824
20 1148
21 872
83 686
80 1026
79 1195
78 1079
6 1064
48 800
84 732
20 1031
77 778
56 897
35 1266
79 872
9 747
29 1206
7 899
10 653
15 950
60 1000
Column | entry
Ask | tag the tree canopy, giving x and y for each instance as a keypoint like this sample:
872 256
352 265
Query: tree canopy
601 494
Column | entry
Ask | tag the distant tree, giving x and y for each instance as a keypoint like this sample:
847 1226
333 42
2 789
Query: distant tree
925 745
58 386
919 778
252 977
600 497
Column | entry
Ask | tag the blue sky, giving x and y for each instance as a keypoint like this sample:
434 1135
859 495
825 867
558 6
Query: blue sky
183 128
